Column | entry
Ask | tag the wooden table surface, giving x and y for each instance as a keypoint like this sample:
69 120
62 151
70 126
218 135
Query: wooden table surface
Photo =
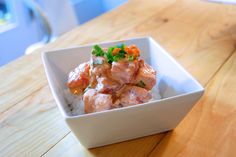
200 35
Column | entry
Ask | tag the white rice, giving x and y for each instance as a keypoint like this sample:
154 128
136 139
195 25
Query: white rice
75 105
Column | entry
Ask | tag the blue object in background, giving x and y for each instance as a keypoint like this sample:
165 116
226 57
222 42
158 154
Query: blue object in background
88 9
22 31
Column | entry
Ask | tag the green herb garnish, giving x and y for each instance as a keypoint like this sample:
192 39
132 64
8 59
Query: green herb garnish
141 84
130 58
109 55
97 51
118 56
87 88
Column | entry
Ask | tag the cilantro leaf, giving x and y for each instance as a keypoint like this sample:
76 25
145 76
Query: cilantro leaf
118 56
109 55
141 84
114 58
130 58
97 51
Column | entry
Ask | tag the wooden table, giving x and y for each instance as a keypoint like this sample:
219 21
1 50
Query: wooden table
199 34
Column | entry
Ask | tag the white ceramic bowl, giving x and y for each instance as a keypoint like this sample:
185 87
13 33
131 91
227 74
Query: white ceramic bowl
179 91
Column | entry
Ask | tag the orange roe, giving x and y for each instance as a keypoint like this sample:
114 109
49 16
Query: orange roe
115 51
133 51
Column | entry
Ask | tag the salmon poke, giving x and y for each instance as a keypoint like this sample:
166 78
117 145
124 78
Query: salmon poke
114 77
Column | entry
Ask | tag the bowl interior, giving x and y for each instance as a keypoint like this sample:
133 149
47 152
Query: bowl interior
173 80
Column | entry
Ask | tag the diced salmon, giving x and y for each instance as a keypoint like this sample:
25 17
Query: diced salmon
101 76
78 79
124 70
99 65
95 102
133 95
107 85
146 76
99 68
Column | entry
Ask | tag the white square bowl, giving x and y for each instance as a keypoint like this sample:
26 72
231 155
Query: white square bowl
179 91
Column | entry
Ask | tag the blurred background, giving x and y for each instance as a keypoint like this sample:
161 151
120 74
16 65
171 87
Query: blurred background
26 25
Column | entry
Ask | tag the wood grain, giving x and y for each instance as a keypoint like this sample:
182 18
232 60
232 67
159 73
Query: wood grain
20 80
27 129
138 147
195 32
210 128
